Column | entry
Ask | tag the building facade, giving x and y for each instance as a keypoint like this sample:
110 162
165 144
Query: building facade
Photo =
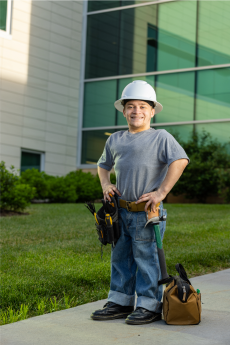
40 72
64 63
180 47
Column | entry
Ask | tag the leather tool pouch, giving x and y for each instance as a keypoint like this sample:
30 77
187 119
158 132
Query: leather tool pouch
151 214
181 302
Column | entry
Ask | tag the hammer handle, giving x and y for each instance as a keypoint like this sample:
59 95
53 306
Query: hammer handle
162 262
160 250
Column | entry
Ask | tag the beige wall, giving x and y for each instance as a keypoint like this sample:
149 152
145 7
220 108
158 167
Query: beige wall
40 72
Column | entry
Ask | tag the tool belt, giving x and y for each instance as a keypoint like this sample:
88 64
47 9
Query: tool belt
181 302
106 221
131 206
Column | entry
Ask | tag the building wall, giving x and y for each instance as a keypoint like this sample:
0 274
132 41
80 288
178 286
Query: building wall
40 74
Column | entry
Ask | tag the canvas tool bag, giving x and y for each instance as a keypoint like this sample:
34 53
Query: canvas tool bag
181 302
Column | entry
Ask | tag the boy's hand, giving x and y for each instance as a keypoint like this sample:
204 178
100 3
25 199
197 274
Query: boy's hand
110 188
151 199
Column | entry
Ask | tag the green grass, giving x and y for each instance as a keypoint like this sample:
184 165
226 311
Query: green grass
51 258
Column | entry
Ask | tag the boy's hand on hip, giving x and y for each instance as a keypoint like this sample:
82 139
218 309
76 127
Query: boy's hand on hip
175 170
151 199
110 188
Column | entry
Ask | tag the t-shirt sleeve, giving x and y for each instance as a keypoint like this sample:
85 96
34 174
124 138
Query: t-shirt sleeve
171 150
106 160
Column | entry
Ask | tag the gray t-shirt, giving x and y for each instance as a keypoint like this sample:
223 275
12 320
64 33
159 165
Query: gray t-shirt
140 160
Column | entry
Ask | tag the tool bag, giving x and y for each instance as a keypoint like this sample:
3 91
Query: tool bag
106 221
181 302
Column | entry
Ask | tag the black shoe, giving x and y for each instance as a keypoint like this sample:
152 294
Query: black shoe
141 316
112 311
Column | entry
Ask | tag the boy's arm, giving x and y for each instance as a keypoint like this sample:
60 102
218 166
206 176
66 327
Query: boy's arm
175 171
107 186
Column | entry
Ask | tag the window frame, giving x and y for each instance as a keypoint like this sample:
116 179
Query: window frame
42 158
7 33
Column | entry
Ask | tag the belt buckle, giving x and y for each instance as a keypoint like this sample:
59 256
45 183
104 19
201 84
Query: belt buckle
128 206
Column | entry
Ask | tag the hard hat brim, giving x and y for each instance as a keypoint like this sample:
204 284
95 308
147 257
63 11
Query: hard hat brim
158 107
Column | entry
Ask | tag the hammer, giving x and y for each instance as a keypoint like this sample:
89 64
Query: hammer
155 220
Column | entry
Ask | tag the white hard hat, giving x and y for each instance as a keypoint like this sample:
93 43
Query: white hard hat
140 90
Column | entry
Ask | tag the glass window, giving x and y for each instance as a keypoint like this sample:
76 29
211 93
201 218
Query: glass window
144 22
93 143
30 160
176 93
213 32
94 5
181 133
213 94
117 42
151 48
3 14
176 35
99 101
219 131
129 41
102 46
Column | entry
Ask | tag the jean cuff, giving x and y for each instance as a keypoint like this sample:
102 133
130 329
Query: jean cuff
121 298
149 304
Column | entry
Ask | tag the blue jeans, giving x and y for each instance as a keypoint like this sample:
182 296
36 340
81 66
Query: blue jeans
135 264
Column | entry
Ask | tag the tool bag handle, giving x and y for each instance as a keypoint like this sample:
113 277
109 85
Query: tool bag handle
182 273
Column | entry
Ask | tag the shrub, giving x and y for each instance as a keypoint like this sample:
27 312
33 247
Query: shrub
87 185
56 189
224 183
39 180
20 197
61 190
202 176
14 195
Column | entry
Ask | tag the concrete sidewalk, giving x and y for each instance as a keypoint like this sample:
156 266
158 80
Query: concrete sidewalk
74 326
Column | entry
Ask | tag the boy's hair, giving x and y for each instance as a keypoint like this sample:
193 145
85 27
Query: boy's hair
151 103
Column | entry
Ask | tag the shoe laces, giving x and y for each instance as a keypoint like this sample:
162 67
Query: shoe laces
107 304
138 308
145 310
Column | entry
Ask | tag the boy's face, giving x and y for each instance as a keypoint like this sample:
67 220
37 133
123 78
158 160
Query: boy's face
138 115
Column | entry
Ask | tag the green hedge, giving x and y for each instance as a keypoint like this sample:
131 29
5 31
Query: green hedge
76 186
18 191
15 195
39 180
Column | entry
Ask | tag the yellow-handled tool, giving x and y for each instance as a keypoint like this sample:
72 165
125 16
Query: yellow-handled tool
108 219
95 216
109 227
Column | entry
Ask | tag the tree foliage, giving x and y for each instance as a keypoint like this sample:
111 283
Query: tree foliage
208 172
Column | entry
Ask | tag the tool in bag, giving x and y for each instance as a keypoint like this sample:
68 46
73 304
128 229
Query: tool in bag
106 221
181 302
